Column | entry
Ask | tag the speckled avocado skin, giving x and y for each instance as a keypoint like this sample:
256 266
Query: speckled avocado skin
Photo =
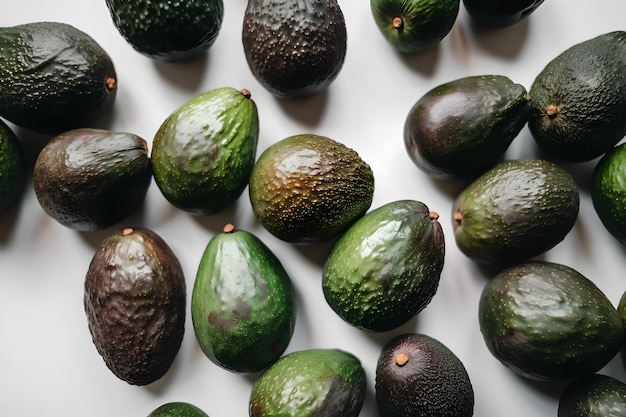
595 395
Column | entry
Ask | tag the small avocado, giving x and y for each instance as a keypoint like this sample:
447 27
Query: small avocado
54 77
461 128
577 100
413 26
546 321
135 301
12 167
595 395
385 268
294 48
308 188
203 152
165 30
418 376
243 303
516 210
90 179
499 14
177 409
608 191
310 383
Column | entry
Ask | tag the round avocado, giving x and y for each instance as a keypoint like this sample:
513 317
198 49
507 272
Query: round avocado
177 409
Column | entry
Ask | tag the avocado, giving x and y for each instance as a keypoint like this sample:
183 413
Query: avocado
135 301
309 188
595 395
203 152
243 303
385 268
294 48
12 167
499 14
621 309
177 409
608 191
546 321
577 101
54 77
483 114
310 383
516 210
165 30
413 26
418 376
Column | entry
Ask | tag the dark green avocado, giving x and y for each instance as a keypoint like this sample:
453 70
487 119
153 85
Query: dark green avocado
499 14
53 77
177 409
595 395
12 167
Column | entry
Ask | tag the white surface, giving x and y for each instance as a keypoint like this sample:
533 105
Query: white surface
48 364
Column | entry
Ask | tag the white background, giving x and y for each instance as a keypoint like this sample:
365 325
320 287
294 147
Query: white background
48 364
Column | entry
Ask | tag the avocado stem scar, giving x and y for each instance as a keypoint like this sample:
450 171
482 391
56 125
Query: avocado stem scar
401 359
229 228
246 93
433 215
110 83
457 216
127 231
397 22
552 111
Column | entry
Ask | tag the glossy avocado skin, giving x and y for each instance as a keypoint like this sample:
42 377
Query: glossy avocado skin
12 167
546 321
177 409
135 301
500 14
55 77
294 48
596 395
386 267
243 305
461 128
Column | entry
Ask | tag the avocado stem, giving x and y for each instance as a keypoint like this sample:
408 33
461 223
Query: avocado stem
433 215
401 359
246 93
127 231
457 216
552 111
110 83
397 22
229 228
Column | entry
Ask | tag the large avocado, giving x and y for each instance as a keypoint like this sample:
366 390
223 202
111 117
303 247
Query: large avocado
595 395
12 167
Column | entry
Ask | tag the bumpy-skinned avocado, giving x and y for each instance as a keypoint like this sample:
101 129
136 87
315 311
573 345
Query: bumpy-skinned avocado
595 395
608 191
203 152
516 210
54 77
12 167
243 304
483 114
177 409
135 301
294 48
309 188
577 101
165 30
90 179
418 376
386 267
310 383
546 321
498 13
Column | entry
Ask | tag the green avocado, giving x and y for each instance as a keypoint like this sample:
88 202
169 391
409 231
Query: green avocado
177 409
608 191
386 267
243 303
12 167
595 395
546 321
54 77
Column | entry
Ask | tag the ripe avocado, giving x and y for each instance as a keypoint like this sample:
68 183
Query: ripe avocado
135 300
294 48
498 13
243 303
577 101
595 395
54 77
177 409
310 383
385 268
482 116
12 167
418 376
546 321
608 192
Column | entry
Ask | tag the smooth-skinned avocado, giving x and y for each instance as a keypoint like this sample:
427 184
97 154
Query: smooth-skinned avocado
418 376
54 77
595 395
494 14
135 302
178 409
12 167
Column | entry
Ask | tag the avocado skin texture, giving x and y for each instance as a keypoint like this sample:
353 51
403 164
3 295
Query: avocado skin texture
12 167
413 26
386 267
483 115
54 77
243 304
310 383
294 48
595 395
578 102
203 153
177 409
135 300
500 14
546 321
90 179
171 31
515 211
608 192
418 376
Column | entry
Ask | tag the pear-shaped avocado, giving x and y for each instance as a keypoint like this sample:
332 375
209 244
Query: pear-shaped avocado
595 395
135 300
243 304
385 268
90 179
294 48
177 409
418 376
204 151
12 167
498 13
